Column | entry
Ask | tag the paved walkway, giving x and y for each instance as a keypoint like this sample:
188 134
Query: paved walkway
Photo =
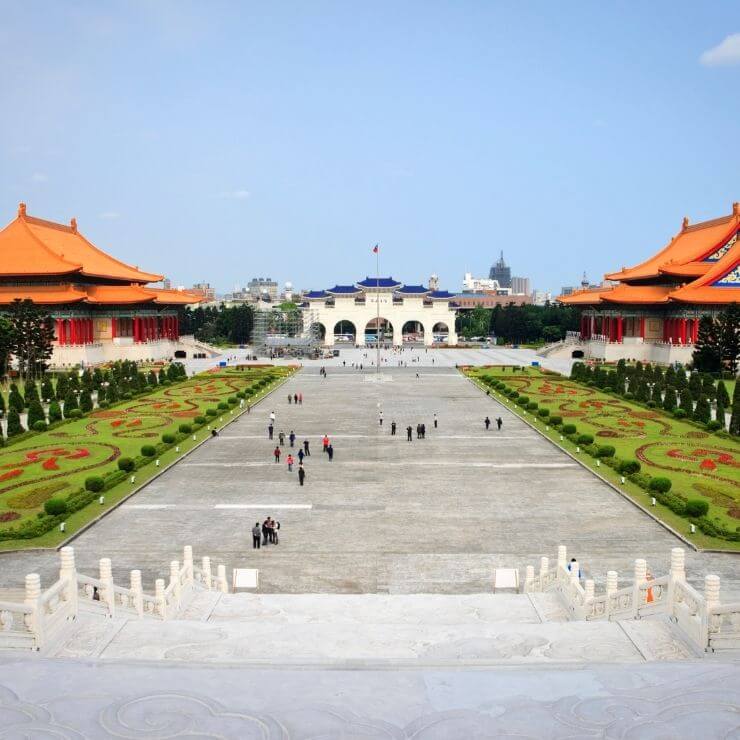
387 515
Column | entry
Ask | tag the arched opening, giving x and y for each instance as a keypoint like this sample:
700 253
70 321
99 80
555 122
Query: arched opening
318 329
382 331
440 332
412 332
577 354
345 332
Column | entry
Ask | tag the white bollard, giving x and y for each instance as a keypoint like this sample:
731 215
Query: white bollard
175 580
222 583
678 570
578 449
193 438
157 462
612 581
177 449
62 527
598 463
206 567
137 592
133 479
693 528
529 577
187 561
652 500
561 437
640 571
101 500
622 480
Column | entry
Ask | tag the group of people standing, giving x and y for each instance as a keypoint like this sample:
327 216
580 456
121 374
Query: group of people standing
267 533
421 429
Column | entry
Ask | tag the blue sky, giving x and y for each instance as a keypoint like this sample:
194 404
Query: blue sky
221 141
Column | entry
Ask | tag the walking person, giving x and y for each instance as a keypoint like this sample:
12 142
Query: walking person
300 456
265 532
256 536
408 434
272 417
290 399
281 437
435 421
487 422
306 448
380 418
423 431
499 422
276 453
276 531
393 429
295 397
330 452
289 460
270 430
325 443
301 474
291 438
300 399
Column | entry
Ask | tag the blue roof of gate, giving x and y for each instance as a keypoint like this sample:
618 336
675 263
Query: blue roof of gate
388 282
343 289
316 294
441 294
418 289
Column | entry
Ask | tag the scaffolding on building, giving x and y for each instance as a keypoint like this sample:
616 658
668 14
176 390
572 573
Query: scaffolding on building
292 332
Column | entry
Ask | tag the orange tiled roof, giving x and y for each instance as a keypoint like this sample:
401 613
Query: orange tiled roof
684 254
720 284
175 297
33 246
584 297
108 294
44 294
638 294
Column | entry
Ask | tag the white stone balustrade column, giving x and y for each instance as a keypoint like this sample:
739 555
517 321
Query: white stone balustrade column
175 581
159 596
711 590
187 561
544 567
562 555
206 567
529 578
612 581
34 621
222 583
678 569
106 578
589 588
137 592
711 599
640 578
574 568
68 573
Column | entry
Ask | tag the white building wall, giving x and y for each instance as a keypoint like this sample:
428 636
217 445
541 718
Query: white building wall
412 309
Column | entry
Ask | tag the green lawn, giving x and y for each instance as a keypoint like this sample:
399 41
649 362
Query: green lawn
56 463
698 463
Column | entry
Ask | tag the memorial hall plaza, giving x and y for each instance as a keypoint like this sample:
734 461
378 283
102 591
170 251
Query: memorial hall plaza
434 515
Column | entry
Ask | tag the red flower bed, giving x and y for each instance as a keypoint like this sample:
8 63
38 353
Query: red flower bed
9 516
50 464
11 474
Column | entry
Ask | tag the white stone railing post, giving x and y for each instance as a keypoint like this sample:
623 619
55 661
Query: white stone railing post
711 599
544 567
35 620
68 573
589 588
175 582
206 567
137 592
107 594
677 575
562 564
640 578
574 568
160 597
529 578
187 561
223 584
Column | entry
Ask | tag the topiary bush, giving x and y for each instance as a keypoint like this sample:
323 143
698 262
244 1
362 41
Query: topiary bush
200 419
606 451
628 467
74 414
543 413
555 419
126 464
223 406
532 406
662 485
55 506
211 412
94 483
168 438
696 507
39 426
585 439
185 428
148 450
233 400
569 429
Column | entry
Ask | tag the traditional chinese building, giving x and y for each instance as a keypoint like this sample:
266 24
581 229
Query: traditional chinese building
651 311
411 313
102 309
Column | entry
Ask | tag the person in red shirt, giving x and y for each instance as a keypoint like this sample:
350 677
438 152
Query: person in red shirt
325 442
277 454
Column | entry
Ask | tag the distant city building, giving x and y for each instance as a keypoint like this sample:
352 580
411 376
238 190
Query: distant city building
520 286
490 300
585 285
501 272
166 284
434 282
288 295
481 285
205 290
541 297
259 287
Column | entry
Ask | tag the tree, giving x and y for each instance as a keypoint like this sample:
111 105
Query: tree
643 392
87 380
55 411
47 389
14 424
735 419
15 400
33 336
112 394
62 387
35 413
706 353
7 342
703 411
695 385
707 386
728 337
723 394
687 402
30 392
656 394
70 402
669 399
86 404
153 379
720 413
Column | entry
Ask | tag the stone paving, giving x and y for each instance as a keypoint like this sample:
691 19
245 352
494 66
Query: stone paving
387 515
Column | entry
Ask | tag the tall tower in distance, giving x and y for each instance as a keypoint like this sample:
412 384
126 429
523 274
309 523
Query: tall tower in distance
501 271
433 282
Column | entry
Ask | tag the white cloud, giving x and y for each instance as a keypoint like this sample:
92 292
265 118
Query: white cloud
235 195
39 177
726 53
110 215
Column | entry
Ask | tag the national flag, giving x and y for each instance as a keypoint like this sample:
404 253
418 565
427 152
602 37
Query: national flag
376 249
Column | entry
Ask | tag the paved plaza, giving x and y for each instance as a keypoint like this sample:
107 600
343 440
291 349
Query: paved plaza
386 516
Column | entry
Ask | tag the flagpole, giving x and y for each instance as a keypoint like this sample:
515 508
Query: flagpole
377 303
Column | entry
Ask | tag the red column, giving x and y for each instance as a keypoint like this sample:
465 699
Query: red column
683 331
695 331
136 328
58 330
113 327
620 329
177 327
642 328
73 327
